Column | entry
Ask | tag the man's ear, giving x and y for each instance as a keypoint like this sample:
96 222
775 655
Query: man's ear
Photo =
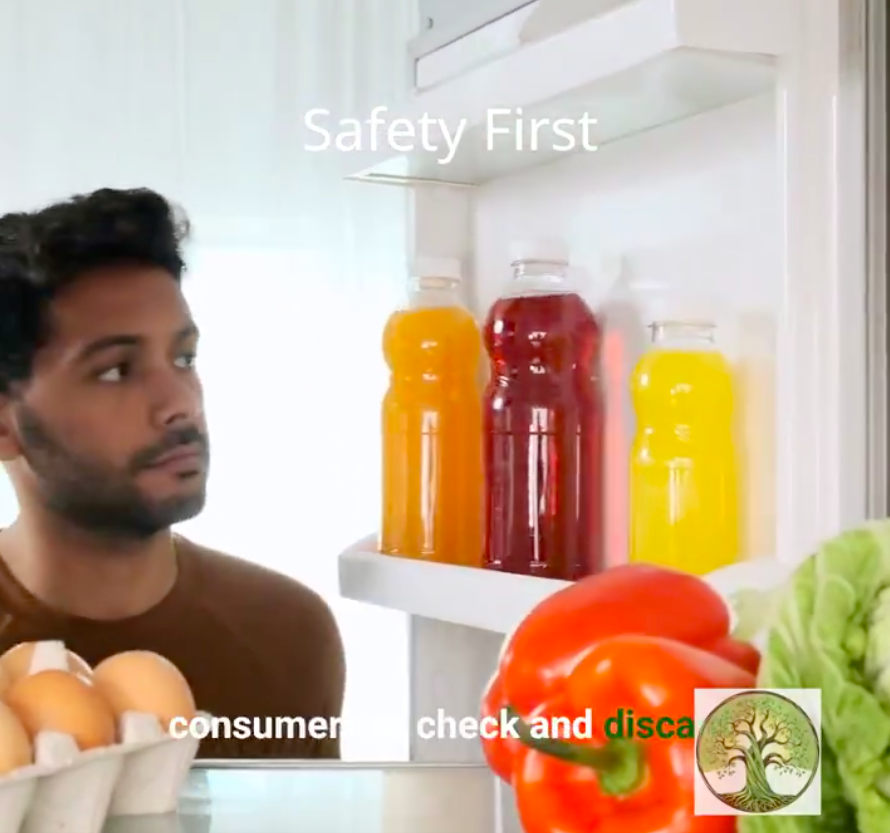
9 445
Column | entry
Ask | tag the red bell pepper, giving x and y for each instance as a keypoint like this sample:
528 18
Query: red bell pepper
623 784
632 598
499 748
562 629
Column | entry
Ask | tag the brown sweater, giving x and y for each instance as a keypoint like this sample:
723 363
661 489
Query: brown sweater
251 643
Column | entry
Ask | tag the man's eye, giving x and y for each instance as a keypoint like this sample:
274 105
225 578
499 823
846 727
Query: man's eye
113 374
186 361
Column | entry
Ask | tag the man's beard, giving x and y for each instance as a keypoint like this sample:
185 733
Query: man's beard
102 500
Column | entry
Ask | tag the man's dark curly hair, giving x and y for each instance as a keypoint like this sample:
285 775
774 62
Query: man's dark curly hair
43 251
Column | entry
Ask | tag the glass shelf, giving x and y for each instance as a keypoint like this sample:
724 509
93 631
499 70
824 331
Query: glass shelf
293 797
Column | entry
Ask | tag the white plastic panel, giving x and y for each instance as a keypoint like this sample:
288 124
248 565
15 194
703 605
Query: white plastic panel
821 383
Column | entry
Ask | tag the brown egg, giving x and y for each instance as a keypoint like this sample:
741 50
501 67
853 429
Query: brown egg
16 662
4 682
142 681
57 701
15 746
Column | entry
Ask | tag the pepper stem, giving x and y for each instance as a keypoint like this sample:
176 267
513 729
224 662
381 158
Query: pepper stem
619 764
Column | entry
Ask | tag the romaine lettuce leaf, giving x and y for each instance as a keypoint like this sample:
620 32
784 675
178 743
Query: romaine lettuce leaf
831 630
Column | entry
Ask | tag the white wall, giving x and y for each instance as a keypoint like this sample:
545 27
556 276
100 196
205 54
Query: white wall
697 204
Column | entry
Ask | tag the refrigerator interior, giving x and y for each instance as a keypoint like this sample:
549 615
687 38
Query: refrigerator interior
733 162
696 205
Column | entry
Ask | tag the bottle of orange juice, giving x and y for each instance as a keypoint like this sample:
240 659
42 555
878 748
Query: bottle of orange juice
683 470
432 423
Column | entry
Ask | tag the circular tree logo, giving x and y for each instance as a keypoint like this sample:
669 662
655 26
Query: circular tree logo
758 752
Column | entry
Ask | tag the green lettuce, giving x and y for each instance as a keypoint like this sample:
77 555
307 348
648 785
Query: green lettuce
831 630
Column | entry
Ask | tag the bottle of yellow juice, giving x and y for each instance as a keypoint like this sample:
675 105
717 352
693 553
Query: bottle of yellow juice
683 470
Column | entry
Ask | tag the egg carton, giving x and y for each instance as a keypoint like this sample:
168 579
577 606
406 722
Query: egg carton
68 790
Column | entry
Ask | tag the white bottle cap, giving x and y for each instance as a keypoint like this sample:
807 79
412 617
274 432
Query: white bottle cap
540 250
436 267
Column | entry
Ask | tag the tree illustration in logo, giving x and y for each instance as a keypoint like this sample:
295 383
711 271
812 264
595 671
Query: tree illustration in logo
758 752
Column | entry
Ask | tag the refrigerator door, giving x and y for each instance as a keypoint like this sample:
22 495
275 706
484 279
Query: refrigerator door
445 21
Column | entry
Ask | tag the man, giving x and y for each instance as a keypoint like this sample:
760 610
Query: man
103 435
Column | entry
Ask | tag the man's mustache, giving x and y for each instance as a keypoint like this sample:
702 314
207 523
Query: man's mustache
182 436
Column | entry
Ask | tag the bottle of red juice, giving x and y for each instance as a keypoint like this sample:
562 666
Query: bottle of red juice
543 420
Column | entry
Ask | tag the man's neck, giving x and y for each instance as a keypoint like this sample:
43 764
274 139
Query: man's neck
78 574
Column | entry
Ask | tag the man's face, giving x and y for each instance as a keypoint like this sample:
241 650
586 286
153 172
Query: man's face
109 432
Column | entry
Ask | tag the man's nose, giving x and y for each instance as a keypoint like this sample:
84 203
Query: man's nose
175 399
